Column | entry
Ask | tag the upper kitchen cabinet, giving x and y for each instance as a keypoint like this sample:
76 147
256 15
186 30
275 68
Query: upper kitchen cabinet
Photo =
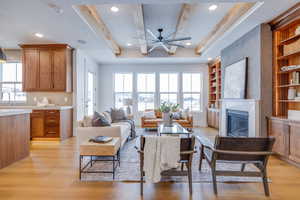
47 67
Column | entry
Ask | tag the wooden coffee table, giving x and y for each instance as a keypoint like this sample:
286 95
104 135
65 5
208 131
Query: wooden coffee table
109 151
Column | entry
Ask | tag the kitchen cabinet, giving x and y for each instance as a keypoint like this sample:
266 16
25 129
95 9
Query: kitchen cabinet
51 124
213 118
287 138
47 67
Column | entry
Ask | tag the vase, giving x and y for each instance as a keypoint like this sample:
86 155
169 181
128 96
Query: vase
167 118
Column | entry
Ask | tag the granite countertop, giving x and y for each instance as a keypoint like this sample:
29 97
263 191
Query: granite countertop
37 107
9 112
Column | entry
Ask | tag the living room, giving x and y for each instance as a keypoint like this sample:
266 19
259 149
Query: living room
145 99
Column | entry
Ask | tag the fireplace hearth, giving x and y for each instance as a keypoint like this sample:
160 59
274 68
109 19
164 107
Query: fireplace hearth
237 123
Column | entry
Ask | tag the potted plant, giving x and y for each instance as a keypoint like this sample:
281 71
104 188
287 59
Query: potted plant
166 108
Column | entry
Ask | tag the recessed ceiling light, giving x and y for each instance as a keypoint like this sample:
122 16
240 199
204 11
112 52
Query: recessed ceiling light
213 7
188 43
209 59
39 35
129 44
114 9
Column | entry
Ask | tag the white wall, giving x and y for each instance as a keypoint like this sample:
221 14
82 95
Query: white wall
82 65
106 98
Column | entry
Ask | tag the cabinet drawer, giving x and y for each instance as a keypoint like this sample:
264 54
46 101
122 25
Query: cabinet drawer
52 112
52 121
52 132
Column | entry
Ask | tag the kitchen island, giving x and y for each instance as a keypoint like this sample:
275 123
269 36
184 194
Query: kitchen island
14 135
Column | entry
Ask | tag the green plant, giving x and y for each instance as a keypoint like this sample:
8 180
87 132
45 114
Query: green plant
166 107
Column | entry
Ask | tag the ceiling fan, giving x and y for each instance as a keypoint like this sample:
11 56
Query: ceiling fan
165 41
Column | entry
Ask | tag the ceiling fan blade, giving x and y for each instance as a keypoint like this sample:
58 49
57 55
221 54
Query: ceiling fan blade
152 48
152 34
169 35
177 45
178 39
165 47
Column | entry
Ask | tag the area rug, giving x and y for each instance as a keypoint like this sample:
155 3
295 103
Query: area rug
129 169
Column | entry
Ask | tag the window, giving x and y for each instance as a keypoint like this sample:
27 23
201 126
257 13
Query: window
191 89
146 90
123 88
11 83
168 87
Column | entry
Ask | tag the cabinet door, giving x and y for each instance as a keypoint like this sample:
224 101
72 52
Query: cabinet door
209 118
31 69
217 120
59 70
280 130
37 124
295 142
45 70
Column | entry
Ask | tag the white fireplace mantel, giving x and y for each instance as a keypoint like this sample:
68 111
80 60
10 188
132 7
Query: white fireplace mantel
252 106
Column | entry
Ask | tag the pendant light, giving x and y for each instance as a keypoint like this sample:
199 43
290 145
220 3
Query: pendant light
2 56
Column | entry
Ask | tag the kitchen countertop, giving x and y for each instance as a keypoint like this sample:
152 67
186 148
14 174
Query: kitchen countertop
9 112
38 107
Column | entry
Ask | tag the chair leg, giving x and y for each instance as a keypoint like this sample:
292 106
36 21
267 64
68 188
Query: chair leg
214 179
243 167
265 182
142 184
190 178
182 166
201 157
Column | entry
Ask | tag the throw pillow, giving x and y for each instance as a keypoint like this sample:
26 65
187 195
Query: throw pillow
107 116
185 113
149 114
87 121
99 120
117 114
176 115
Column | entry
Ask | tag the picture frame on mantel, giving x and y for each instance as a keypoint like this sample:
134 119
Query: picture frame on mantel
235 80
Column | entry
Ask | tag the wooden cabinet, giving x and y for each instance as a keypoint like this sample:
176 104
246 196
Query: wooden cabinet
287 135
47 67
213 118
280 129
51 124
30 61
295 142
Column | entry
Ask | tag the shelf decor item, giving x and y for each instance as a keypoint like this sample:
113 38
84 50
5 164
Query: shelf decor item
291 93
297 31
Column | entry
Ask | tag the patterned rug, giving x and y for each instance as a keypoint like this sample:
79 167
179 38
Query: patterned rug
129 169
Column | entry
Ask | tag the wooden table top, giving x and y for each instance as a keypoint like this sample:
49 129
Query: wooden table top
100 149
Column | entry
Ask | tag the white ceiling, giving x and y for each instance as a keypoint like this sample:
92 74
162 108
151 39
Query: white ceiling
19 20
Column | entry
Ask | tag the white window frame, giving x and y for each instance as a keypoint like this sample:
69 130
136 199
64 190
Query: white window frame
178 89
200 93
10 82
138 92
114 88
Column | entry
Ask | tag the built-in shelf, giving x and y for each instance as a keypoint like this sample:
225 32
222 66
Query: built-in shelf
286 41
289 101
289 71
291 85
289 55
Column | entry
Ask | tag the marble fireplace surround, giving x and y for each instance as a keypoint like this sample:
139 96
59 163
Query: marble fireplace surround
252 106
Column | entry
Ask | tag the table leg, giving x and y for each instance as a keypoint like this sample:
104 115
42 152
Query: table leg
91 158
113 167
201 156
79 167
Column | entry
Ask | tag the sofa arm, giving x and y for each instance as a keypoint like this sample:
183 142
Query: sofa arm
85 133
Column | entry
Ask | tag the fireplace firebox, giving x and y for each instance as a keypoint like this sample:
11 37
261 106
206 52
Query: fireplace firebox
237 123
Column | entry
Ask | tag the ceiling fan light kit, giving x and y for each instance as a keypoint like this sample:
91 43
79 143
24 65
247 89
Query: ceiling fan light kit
165 42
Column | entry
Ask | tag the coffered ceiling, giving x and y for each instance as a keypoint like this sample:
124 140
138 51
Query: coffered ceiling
122 36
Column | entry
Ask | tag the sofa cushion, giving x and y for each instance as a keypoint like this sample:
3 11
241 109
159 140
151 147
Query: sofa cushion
117 114
176 115
107 116
149 114
99 120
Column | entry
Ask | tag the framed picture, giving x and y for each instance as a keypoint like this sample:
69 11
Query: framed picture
236 80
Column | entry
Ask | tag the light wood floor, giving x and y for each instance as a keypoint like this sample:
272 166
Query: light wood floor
51 172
